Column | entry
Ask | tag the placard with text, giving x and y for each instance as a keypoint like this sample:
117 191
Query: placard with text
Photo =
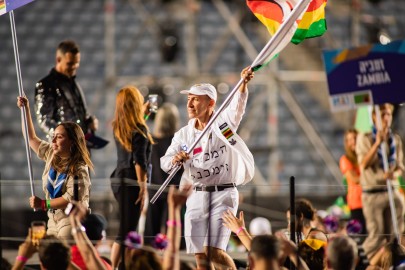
9 5
365 75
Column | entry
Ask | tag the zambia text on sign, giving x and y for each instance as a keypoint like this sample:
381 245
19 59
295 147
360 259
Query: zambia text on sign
365 75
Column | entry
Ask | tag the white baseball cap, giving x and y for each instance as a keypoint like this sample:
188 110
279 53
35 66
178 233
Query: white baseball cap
201 89
260 226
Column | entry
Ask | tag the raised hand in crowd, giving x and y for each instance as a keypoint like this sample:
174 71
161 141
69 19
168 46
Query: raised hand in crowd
237 226
86 248
175 199
25 251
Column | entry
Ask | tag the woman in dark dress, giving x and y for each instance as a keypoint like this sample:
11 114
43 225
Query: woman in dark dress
128 181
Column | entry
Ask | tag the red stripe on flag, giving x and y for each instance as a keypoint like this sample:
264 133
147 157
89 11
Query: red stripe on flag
268 9
315 4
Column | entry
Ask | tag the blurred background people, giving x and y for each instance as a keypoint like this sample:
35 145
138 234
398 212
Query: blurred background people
349 167
341 253
58 97
259 226
94 225
373 179
167 122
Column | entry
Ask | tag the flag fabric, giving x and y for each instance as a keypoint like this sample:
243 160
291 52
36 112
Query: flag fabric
363 122
273 12
284 29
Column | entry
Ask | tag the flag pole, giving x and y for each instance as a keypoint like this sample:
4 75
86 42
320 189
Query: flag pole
272 45
21 93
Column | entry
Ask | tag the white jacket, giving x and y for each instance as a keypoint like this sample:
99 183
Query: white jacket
242 166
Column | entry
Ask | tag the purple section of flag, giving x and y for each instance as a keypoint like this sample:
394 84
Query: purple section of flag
14 4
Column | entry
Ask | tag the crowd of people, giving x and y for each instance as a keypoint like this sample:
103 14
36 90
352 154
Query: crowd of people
213 161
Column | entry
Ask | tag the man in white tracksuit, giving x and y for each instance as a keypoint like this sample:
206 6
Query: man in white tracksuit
219 162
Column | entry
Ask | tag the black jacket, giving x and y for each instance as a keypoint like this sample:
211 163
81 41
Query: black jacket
59 98
141 154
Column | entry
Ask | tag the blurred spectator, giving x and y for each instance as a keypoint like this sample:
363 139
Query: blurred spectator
373 178
259 226
351 173
266 251
53 253
58 97
5 265
88 252
384 256
312 251
342 253
94 225
167 121
304 216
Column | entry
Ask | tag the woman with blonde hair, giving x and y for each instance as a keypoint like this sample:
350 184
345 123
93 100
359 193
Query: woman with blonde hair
66 157
128 180
167 121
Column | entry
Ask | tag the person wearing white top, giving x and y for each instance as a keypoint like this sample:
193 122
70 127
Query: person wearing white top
218 163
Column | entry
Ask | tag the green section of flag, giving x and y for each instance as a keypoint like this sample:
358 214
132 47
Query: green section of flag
363 120
315 30
362 98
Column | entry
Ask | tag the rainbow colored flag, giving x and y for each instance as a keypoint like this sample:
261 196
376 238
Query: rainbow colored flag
273 12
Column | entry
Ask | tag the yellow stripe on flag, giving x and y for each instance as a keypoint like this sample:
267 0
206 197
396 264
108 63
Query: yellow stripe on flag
312 16
271 25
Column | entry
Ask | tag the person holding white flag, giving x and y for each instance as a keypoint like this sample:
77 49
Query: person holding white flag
217 165
373 178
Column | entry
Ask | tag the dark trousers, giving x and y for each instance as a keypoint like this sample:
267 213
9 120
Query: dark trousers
129 213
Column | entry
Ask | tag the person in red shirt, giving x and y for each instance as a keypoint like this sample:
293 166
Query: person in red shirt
93 225
350 169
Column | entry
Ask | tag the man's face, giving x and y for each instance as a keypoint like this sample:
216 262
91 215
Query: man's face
67 63
198 106
386 116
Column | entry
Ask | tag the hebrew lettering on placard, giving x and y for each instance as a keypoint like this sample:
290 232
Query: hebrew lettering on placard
208 173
